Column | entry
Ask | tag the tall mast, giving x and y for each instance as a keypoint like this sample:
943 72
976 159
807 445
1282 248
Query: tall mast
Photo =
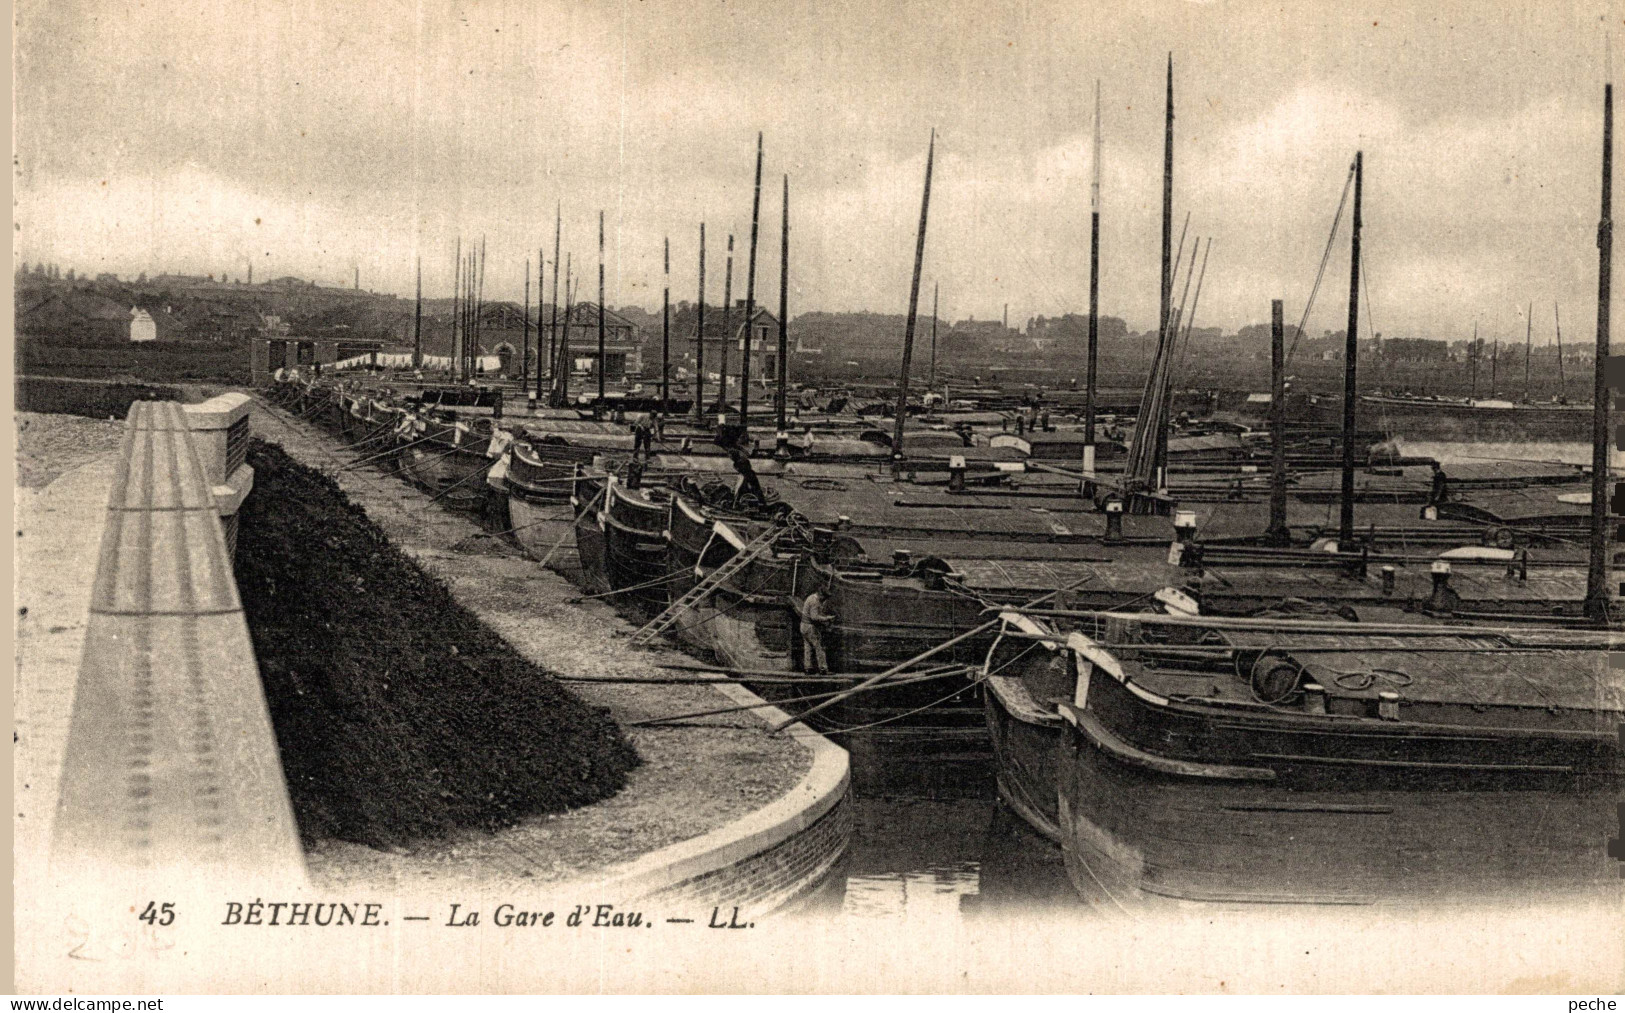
1597 595
727 324
456 350
1562 382
699 338
541 289
524 353
784 306
1161 458
417 323
561 368
1528 346
1472 358
553 324
665 335
750 293
1278 533
601 363
913 301
479 313
1094 301
470 313
932 383
1345 523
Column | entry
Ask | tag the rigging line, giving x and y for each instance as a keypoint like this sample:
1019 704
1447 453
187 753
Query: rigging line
1190 322
838 730
1324 258
736 708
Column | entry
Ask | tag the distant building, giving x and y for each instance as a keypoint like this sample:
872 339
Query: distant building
623 353
74 317
142 326
763 335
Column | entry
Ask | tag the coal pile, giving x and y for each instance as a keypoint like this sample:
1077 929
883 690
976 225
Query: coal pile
398 713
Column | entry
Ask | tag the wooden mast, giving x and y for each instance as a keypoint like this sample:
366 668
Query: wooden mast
1528 346
1472 358
727 327
541 289
479 314
1160 459
417 323
665 335
699 339
1597 590
553 324
1345 522
1562 381
784 308
1094 302
524 353
561 367
468 313
932 383
750 294
456 349
1277 534
913 302
601 363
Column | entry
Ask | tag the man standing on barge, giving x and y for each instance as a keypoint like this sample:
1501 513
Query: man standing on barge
815 616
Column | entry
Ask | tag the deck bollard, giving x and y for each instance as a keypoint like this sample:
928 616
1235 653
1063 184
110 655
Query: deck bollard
1441 585
1185 525
1388 705
1114 522
1387 581
1314 698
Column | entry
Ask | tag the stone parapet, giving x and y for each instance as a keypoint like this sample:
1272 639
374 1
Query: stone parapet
171 767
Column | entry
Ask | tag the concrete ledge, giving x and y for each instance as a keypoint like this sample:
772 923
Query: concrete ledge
218 412
228 497
171 766
763 861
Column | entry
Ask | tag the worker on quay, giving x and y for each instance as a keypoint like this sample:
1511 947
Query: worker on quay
815 616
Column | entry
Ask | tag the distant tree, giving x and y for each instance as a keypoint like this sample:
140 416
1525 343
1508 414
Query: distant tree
70 274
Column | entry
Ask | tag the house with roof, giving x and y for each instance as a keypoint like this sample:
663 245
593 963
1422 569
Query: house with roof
763 334
83 317
623 352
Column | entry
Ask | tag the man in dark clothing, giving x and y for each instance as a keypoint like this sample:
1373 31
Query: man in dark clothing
749 484
643 432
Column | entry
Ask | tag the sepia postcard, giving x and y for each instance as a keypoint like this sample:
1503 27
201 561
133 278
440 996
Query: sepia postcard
723 496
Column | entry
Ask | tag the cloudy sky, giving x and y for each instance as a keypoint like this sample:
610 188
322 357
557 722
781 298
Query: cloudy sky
313 138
